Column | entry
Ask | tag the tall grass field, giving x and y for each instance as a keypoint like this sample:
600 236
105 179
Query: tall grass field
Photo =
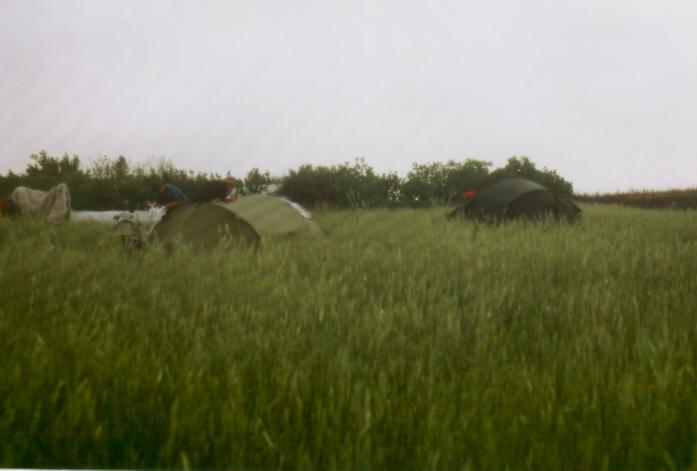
399 341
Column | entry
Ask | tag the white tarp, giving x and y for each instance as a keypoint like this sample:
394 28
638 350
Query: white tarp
52 205
108 217
147 218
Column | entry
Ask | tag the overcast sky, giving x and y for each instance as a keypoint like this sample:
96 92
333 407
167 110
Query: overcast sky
603 91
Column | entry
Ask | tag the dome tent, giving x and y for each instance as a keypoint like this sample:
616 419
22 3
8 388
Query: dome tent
517 198
249 220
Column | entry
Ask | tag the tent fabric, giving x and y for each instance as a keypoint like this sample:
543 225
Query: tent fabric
304 212
517 198
273 216
248 220
203 226
52 205
497 197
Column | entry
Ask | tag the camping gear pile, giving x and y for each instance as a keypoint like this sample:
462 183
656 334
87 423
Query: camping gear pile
516 198
248 220
52 205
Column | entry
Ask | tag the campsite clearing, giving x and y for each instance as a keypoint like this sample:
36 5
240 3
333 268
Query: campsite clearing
400 341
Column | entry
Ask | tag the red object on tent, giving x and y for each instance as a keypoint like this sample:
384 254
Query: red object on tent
468 194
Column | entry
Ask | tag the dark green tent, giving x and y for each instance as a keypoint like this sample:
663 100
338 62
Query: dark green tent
517 198
249 220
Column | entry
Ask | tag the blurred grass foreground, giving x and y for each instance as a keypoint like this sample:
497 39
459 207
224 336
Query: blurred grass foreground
400 341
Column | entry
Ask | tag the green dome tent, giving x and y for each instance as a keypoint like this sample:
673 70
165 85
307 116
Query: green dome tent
517 198
249 220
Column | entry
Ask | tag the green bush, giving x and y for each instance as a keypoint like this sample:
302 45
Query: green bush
346 185
117 184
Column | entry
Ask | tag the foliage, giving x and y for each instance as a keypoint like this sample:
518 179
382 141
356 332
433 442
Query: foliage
118 184
400 342
670 199
344 186
437 183
256 182
105 184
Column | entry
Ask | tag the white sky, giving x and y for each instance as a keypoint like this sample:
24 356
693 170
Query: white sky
603 91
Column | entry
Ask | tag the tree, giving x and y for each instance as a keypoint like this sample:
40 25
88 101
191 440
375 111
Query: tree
117 184
441 183
348 185
255 182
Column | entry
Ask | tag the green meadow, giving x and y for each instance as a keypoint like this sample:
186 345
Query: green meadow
399 341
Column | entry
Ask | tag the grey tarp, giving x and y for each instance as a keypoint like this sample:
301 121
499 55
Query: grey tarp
52 205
